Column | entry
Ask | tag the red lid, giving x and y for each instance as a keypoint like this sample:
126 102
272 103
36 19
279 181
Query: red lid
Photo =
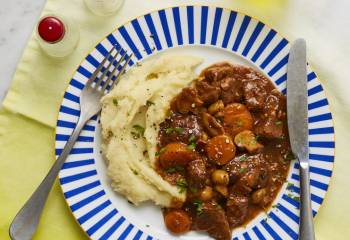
51 29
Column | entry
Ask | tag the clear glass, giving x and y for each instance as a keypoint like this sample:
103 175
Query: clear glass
104 7
67 44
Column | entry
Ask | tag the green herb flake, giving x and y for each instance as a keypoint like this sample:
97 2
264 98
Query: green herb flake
194 190
160 151
115 102
199 206
192 138
179 130
149 103
182 185
242 170
135 135
175 169
169 130
289 156
243 158
278 123
191 146
290 186
139 129
297 199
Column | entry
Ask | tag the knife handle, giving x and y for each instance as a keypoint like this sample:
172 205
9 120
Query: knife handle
306 228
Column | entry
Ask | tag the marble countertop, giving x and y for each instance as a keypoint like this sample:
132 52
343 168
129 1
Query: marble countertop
17 21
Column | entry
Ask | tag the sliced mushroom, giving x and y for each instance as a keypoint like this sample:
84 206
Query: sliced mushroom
246 139
212 126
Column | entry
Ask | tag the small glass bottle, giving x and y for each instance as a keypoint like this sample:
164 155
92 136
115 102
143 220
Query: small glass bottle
58 36
104 7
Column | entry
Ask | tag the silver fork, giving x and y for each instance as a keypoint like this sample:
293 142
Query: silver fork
25 223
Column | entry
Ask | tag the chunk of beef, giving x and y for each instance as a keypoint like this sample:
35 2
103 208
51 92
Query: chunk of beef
196 173
254 94
187 101
236 209
269 127
179 128
248 172
275 105
213 220
217 72
207 93
231 90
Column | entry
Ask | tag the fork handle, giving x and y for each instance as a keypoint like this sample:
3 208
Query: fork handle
25 223
306 231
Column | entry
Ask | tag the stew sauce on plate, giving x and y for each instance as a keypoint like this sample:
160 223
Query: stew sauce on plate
226 144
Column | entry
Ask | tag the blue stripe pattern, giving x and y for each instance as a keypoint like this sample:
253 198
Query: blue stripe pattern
130 42
81 163
164 22
264 45
81 189
152 29
217 18
190 22
252 38
204 20
94 211
274 53
229 27
112 229
69 179
177 23
258 233
100 223
87 200
141 36
241 33
82 176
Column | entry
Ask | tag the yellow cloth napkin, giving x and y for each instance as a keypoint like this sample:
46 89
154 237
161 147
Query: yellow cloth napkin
30 109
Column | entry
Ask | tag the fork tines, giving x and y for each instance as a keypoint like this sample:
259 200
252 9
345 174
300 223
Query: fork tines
114 64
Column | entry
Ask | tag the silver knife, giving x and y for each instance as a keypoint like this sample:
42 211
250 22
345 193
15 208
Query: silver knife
298 131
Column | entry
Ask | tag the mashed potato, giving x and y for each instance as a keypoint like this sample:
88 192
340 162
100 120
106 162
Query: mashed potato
130 118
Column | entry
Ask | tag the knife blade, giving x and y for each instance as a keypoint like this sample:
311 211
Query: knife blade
297 100
298 131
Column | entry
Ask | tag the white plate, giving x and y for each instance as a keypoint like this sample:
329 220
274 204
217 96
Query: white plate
215 34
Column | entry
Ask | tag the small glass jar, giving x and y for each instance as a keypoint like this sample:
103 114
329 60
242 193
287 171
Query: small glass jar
57 35
104 7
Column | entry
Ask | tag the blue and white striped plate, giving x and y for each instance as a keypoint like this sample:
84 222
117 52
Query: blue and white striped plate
215 34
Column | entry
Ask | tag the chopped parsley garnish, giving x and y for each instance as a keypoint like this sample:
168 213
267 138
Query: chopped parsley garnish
139 131
160 151
242 170
239 123
288 156
192 138
243 157
191 146
199 206
170 130
115 102
149 103
278 123
290 186
175 169
182 185
295 198
194 190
